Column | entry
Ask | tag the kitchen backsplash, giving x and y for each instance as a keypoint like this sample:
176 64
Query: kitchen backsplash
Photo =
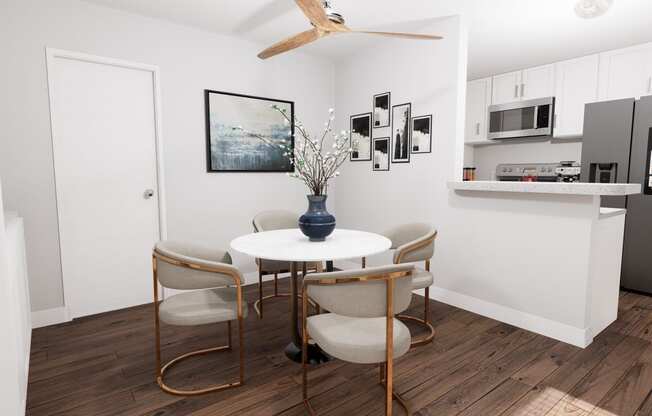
486 158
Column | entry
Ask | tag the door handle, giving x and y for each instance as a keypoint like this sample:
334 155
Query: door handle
148 193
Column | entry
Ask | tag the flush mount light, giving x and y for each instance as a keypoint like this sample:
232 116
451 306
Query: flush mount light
588 9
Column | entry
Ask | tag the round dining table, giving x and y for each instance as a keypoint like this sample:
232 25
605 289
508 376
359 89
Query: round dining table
292 246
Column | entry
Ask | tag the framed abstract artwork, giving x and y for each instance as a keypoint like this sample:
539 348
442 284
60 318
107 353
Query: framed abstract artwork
360 137
422 134
382 104
401 139
381 154
230 146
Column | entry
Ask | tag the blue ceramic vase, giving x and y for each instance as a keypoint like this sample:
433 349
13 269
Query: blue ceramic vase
317 223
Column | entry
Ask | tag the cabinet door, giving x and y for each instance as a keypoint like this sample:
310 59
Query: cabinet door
626 73
538 82
478 96
576 85
506 88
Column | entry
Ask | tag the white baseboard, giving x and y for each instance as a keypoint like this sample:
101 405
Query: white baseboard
580 337
50 317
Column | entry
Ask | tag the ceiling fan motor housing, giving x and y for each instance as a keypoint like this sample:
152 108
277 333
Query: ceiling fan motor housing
333 16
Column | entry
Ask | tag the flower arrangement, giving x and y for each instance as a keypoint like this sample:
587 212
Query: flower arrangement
312 166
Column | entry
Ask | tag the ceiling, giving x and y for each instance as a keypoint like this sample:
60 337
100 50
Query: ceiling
503 34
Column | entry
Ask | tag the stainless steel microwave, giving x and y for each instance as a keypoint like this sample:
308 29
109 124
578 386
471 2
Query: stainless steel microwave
530 118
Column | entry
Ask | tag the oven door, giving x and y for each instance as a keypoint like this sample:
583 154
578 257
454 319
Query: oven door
521 119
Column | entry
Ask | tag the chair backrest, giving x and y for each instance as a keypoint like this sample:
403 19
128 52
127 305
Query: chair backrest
275 220
186 266
361 293
412 242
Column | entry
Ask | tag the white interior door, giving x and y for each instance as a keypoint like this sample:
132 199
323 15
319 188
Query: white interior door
104 142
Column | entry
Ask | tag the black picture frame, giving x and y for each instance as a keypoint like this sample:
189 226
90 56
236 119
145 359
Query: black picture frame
414 145
376 167
289 167
401 148
360 126
378 98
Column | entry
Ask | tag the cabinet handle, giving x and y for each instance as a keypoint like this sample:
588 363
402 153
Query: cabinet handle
477 129
516 91
649 85
522 90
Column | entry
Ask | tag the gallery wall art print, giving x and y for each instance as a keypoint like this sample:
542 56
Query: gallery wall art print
382 103
230 146
381 154
360 137
401 138
422 134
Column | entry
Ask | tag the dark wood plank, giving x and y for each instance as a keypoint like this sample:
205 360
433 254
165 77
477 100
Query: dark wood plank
474 388
103 365
628 395
593 388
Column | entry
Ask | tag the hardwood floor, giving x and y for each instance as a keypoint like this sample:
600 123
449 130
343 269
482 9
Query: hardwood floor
104 365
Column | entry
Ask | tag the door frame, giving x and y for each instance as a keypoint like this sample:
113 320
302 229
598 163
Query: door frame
51 54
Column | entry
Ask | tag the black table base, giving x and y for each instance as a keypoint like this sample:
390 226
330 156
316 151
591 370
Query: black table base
293 349
315 354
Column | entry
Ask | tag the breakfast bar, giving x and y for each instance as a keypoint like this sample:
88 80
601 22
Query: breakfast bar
542 256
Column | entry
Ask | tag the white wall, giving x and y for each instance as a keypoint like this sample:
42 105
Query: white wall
208 208
13 371
486 158
430 75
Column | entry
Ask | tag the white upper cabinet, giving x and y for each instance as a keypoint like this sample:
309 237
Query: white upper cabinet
530 83
478 98
506 88
622 73
626 72
538 82
576 85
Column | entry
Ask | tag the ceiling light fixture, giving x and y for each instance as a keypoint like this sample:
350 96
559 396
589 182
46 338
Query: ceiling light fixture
588 9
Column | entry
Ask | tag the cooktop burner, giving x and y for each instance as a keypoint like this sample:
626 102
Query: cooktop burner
566 171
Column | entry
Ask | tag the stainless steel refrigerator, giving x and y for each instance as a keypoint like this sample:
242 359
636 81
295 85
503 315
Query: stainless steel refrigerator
617 147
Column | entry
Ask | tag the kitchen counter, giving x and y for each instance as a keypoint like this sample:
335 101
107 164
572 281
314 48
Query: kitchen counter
570 188
540 256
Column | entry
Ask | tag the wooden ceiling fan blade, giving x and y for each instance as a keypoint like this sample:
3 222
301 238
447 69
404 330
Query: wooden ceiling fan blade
293 42
400 35
315 12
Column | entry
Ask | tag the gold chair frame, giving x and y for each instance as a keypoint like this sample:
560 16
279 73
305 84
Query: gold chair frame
160 371
425 321
386 368
258 305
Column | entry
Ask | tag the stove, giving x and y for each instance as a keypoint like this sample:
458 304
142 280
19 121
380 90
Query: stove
567 171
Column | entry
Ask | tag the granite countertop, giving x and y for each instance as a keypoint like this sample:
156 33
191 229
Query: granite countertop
572 188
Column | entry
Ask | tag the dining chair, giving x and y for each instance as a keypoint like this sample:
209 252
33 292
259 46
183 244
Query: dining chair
268 221
415 242
212 294
360 326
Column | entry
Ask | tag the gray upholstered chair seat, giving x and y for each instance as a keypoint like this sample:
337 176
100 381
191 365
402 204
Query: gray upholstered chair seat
201 307
357 340
422 279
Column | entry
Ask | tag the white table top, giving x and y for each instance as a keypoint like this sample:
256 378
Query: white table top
292 245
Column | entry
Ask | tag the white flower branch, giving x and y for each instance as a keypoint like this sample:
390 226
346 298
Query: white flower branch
312 166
